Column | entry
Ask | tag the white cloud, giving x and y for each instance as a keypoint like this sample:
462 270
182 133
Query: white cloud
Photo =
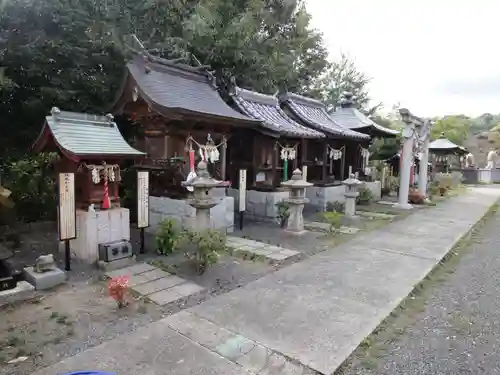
431 56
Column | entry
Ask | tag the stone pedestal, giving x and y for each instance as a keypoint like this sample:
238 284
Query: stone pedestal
203 196
351 193
350 204
44 280
93 228
296 201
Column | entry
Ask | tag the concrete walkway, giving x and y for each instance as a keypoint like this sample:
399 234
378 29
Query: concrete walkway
308 316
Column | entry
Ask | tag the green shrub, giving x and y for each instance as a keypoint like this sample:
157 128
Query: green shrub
166 237
334 219
335 206
208 245
283 212
365 196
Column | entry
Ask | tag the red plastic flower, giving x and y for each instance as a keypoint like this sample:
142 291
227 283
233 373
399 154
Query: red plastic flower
117 289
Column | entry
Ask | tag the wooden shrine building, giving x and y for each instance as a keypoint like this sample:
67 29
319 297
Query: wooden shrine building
92 147
181 117
272 151
328 160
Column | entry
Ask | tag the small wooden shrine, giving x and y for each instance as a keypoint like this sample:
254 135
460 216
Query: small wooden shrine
181 117
92 147
272 151
446 154
328 160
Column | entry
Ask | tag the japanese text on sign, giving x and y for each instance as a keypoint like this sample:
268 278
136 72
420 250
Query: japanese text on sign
242 190
66 209
142 199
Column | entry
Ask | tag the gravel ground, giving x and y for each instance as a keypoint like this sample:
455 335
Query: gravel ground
452 327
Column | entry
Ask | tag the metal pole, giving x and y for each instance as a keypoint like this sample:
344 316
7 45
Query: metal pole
67 251
142 248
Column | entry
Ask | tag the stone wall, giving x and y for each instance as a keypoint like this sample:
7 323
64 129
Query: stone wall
94 228
260 205
495 175
376 189
319 196
484 176
161 208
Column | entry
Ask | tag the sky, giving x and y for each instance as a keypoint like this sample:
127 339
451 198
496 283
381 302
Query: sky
434 57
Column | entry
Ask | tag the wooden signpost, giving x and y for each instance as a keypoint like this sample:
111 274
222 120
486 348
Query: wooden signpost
67 213
142 204
242 194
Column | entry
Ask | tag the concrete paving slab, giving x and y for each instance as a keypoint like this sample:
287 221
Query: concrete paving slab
157 285
155 274
319 310
186 289
164 297
136 280
140 268
235 347
256 359
153 350
199 330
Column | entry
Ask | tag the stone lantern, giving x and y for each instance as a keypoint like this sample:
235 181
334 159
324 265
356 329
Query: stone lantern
351 193
202 198
296 200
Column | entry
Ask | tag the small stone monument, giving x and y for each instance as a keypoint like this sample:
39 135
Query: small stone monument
351 193
202 199
44 274
297 199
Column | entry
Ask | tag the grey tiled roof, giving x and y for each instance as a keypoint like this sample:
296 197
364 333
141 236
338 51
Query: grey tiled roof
168 86
266 109
84 135
313 113
352 118
444 144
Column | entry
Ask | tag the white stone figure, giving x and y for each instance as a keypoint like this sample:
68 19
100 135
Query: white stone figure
491 159
91 208
469 161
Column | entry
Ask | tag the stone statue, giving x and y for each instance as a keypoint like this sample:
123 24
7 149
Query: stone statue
491 159
44 263
469 161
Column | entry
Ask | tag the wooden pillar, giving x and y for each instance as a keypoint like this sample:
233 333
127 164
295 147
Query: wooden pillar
296 160
325 161
223 158
303 152
276 178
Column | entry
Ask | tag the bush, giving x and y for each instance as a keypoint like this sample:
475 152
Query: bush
166 237
365 196
283 212
208 244
32 181
335 206
334 219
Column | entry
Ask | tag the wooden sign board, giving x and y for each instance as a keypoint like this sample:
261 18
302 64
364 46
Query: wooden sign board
66 207
242 190
304 172
142 199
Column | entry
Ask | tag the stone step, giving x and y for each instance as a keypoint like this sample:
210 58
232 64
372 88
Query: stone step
275 254
155 284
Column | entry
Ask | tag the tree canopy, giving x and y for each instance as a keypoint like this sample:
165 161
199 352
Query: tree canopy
70 53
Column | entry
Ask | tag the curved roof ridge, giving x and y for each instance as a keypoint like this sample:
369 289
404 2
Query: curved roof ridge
266 109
